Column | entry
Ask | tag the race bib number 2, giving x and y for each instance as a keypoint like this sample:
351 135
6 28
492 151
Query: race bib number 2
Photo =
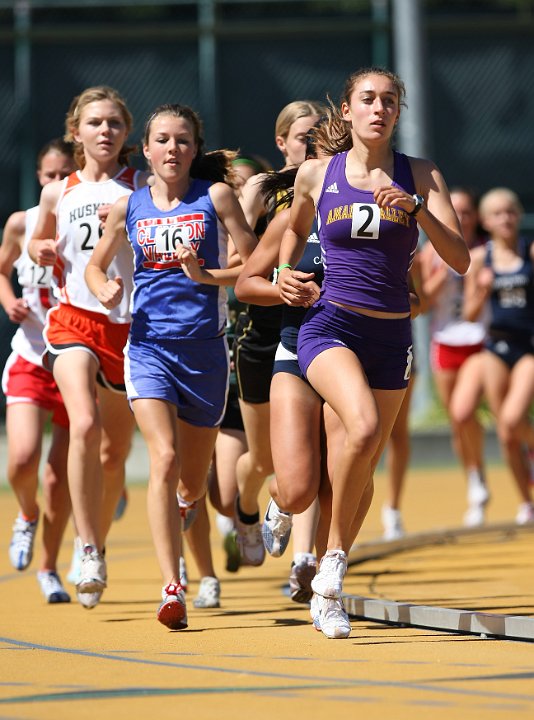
365 221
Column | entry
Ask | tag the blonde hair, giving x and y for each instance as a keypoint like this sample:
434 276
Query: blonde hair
74 113
510 195
334 135
295 110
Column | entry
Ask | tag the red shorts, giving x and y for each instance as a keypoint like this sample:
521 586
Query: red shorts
69 327
451 357
24 382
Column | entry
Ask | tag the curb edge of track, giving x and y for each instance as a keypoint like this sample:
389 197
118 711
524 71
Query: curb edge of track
511 627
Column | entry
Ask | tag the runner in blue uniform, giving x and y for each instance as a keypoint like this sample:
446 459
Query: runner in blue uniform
176 357
503 274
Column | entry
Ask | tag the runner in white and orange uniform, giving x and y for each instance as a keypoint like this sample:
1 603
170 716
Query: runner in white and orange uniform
84 341
456 357
31 394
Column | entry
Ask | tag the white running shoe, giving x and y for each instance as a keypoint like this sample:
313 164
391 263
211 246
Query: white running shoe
302 574
329 580
392 523
315 613
249 541
332 618
209 593
21 546
93 576
474 516
184 580
76 562
52 588
525 513
172 612
276 529
477 490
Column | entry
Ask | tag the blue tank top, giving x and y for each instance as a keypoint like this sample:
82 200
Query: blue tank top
367 250
512 294
166 303
311 262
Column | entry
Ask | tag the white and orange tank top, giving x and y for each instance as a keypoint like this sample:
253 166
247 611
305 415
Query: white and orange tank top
78 231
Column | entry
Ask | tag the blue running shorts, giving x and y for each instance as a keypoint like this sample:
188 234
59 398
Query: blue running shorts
191 374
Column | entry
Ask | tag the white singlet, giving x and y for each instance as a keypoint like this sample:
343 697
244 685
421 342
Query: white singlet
447 326
35 282
78 230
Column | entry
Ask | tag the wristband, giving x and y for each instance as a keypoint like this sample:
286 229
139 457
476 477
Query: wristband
276 271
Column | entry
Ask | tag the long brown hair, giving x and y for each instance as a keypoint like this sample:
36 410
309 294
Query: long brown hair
334 136
215 165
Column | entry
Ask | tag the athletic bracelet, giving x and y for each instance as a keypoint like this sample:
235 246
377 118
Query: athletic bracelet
276 272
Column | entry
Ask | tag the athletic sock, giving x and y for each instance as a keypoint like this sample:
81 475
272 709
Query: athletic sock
247 519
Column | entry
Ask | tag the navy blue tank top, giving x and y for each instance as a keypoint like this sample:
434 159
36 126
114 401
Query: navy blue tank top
311 262
512 294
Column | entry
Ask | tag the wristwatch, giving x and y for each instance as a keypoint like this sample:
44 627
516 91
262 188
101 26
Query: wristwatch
419 202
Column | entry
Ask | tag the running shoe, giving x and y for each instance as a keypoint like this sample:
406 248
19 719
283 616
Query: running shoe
224 524
21 546
233 556
52 588
184 580
300 578
525 513
121 505
93 577
76 562
249 542
477 490
188 511
392 523
172 612
474 516
332 619
329 580
315 613
209 593
276 529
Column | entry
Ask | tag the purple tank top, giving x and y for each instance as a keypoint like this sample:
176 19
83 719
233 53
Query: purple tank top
367 251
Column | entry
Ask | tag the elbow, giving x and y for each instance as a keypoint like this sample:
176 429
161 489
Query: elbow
462 264
240 291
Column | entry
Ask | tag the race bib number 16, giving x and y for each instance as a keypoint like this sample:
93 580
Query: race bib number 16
365 221
168 238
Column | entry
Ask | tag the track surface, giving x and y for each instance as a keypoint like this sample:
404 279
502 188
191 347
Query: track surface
258 655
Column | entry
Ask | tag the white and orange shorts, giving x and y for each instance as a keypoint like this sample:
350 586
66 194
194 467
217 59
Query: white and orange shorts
451 357
25 382
69 328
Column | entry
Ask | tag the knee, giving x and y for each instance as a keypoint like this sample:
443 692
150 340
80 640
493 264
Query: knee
23 460
164 467
295 498
259 463
363 439
85 429
508 431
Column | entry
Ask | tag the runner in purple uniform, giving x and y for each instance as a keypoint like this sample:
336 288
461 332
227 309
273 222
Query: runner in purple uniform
355 344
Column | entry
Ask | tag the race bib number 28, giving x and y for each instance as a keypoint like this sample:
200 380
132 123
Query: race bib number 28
365 221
